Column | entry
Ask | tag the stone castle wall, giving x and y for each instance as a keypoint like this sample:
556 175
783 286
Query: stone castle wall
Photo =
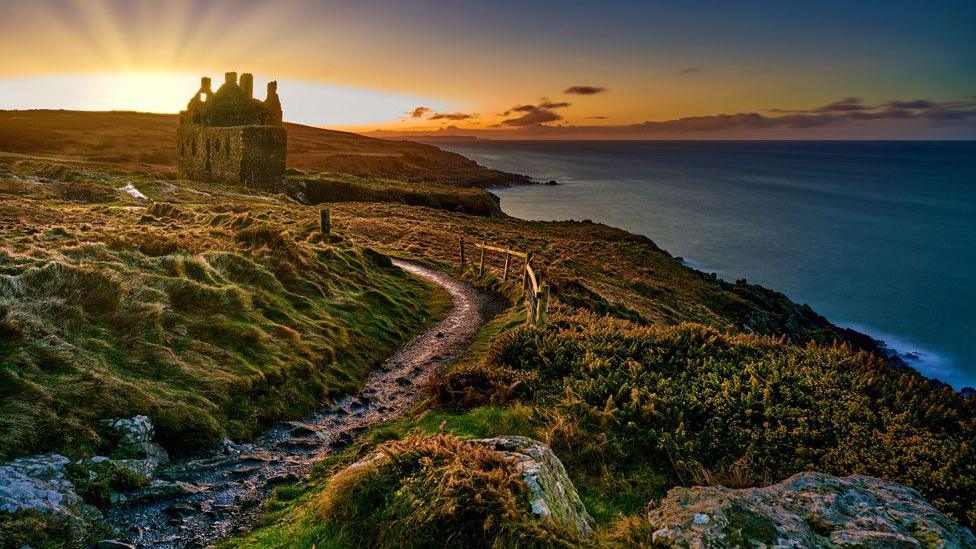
252 155
228 136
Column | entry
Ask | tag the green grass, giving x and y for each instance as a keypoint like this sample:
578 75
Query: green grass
215 319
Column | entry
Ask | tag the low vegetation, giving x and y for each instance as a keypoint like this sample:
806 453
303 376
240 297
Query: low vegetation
216 311
634 410
703 407
213 318
422 491
319 188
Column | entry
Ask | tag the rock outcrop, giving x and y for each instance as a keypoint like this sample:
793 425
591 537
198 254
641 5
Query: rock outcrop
135 446
38 483
552 494
42 483
806 510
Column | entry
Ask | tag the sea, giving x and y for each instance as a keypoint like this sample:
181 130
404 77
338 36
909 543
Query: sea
876 236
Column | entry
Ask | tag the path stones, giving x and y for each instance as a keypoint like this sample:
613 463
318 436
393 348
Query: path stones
113 544
161 490
301 429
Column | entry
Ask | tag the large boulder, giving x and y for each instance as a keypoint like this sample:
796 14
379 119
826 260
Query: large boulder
552 494
37 483
805 510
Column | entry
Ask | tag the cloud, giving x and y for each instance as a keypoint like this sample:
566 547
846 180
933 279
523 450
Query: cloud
546 104
419 112
453 116
584 90
540 116
689 70
849 116
597 117
848 104
534 114
914 104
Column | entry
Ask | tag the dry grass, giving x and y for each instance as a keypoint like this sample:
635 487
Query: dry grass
423 491
148 142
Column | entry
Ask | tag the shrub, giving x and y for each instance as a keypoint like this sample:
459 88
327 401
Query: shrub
433 491
743 409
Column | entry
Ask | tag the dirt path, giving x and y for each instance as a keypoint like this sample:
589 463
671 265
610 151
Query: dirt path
207 498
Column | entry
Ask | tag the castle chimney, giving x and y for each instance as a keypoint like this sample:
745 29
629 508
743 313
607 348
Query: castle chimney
272 88
205 84
247 84
230 78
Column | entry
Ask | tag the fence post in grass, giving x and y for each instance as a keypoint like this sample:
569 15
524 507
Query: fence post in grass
461 247
525 271
542 315
481 267
325 223
508 258
530 306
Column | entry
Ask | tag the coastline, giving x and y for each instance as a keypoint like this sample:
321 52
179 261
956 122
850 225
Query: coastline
896 349
899 351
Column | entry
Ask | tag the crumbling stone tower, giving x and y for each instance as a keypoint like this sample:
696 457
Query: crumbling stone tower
229 136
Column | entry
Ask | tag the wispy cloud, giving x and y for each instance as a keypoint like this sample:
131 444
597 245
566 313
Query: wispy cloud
584 90
689 70
453 116
419 112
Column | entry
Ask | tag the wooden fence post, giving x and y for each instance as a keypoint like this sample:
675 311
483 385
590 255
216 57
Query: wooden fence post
481 267
462 251
325 223
525 270
508 258
542 316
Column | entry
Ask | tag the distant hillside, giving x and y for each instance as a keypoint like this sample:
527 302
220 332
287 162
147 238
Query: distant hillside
149 141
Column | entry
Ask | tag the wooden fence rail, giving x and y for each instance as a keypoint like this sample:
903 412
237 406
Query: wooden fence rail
535 291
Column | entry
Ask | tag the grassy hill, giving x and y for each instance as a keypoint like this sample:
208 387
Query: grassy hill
148 141
211 316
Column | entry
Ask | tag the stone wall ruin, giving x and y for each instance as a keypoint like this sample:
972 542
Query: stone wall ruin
228 136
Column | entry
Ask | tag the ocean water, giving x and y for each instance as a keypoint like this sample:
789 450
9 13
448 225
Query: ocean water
878 236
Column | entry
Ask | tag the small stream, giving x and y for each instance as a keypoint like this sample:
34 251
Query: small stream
215 493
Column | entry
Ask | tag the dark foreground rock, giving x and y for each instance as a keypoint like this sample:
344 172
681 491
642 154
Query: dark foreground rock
806 510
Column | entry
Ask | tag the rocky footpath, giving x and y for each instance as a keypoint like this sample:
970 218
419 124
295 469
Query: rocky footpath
552 494
805 510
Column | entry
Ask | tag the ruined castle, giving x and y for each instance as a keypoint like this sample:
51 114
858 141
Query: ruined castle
229 136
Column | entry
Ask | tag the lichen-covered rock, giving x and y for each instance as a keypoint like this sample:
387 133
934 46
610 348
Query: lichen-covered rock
806 510
552 494
136 443
37 483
